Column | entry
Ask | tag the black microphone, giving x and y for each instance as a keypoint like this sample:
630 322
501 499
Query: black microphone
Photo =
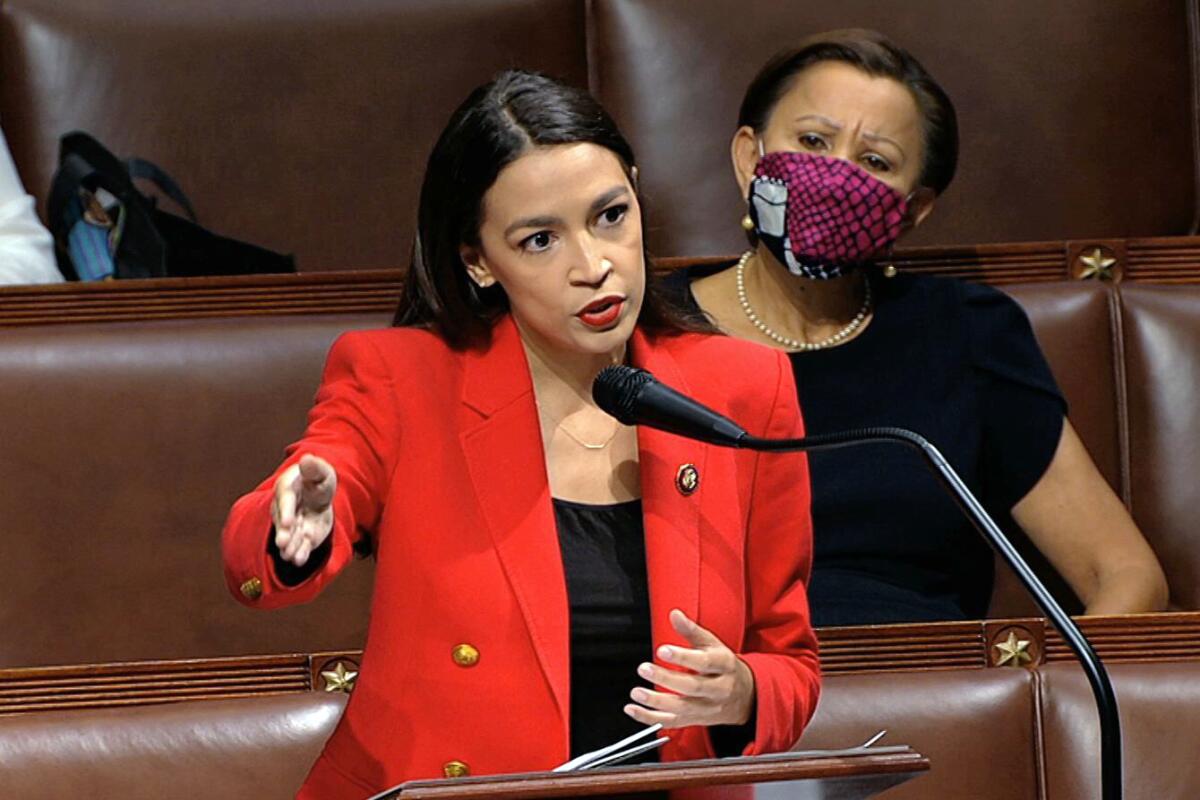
635 397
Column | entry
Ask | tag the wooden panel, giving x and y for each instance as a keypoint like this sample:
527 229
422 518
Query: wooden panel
866 649
120 301
995 264
870 648
1148 637
1164 260
148 682
949 645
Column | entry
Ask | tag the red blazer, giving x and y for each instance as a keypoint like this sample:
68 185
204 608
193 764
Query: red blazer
438 453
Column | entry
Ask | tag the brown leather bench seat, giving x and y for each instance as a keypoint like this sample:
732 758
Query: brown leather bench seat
316 144
978 728
124 443
1160 721
1010 734
128 441
125 446
257 747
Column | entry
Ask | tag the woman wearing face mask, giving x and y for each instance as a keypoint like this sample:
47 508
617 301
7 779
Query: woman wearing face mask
548 580
843 144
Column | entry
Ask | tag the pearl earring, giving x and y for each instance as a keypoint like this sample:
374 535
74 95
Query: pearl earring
605 264
747 223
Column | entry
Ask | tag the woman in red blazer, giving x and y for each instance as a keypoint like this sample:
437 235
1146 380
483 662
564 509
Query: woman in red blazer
544 573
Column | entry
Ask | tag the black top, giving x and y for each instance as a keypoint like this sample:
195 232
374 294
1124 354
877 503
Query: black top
957 363
604 559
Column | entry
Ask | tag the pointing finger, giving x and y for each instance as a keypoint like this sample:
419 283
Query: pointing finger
285 498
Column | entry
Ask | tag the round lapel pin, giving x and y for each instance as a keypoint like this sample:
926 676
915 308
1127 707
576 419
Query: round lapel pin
687 479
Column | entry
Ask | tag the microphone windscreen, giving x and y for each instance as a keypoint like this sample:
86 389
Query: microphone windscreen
616 390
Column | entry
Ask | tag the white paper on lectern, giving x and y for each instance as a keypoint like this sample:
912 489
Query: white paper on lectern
624 755
619 751
590 759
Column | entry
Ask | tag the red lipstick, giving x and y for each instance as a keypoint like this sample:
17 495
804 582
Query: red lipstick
602 312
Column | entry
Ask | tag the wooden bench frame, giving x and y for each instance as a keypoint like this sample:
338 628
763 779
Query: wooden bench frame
980 644
1159 260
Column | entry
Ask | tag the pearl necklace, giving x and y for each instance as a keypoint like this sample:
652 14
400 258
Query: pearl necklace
793 344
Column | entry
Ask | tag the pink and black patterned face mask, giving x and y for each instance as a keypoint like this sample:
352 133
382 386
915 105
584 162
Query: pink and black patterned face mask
820 216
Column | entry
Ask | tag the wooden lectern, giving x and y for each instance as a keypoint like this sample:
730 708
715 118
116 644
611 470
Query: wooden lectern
822 775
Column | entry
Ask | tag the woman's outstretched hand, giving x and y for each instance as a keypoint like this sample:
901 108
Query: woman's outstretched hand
303 508
715 688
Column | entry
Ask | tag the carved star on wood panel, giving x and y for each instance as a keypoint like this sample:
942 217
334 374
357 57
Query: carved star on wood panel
1097 265
1013 651
339 679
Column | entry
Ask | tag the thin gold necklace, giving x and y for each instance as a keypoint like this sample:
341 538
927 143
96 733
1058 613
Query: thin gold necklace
561 426
591 445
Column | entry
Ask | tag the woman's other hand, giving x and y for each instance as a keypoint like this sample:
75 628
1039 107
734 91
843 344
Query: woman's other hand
715 687
303 508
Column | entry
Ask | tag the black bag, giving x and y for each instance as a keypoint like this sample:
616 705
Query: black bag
104 227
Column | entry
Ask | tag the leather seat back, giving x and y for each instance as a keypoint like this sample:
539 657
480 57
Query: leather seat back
1161 327
259 747
125 445
673 73
977 727
300 125
1074 325
1160 714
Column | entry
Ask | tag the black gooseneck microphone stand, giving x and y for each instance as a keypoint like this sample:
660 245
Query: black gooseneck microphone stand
635 397
1106 699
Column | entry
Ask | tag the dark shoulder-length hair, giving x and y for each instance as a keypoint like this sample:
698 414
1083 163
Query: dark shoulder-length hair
876 55
497 123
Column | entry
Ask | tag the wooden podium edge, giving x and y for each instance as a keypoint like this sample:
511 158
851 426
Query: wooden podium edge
668 776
